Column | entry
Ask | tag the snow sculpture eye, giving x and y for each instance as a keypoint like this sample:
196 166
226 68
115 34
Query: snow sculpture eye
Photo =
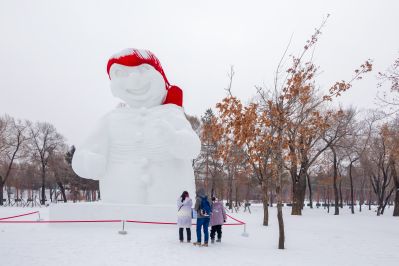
120 73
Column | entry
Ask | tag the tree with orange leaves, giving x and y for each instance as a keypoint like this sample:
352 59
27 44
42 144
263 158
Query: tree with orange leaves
251 132
297 107
282 129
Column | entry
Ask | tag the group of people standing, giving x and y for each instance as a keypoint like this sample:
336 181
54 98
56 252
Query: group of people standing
208 214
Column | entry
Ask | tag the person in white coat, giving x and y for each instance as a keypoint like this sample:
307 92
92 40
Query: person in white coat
184 216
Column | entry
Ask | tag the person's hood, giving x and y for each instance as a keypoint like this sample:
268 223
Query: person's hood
201 192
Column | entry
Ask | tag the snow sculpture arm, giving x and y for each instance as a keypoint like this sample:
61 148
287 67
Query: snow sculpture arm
90 158
182 141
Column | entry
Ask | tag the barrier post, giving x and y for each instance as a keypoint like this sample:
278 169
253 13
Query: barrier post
39 219
123 232
245 234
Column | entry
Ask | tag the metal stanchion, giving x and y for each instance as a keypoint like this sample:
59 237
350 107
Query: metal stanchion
123 232
245 234
39 219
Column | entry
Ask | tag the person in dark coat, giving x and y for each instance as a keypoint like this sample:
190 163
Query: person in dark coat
203 209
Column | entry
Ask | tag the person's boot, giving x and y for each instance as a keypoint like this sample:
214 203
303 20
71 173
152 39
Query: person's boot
205 244
197 244
212 240
218 240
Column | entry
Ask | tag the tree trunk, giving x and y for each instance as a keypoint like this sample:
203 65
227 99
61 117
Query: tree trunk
279 159
336 197
387 200
43 200
341 203
237 203
396 182
299 189
51 194
379 201
265 204
396 209
2 188
281 238
9 195
271 197
328 200
279 168
361 196
370 200
303 187
310 192
230 189
62 191
351 184
381 196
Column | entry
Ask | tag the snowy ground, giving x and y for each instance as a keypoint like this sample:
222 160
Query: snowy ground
316 238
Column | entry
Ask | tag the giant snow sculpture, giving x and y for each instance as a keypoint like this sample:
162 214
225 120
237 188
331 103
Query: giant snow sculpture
141 153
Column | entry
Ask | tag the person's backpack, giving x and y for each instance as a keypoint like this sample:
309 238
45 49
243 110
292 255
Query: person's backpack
205 207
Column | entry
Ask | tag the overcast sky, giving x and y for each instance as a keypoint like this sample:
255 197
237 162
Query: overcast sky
53 54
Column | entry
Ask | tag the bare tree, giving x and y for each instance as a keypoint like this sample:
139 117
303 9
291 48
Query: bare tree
391 134
377 162
354 146
61 171
395 176
12 139
338 130
45 141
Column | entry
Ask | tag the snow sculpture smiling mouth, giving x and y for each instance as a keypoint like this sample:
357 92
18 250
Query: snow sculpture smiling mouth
140 91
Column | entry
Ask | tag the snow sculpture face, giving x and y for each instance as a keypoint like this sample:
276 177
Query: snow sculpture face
139 86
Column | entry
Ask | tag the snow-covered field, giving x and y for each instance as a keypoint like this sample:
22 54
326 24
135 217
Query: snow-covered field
316 238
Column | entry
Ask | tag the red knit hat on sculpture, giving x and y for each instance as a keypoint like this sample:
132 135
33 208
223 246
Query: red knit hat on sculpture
135 57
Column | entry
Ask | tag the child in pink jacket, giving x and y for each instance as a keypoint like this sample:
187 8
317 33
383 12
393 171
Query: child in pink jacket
218 217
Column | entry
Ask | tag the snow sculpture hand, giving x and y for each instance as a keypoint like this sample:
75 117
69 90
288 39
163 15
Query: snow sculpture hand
88 163
180 139
90 158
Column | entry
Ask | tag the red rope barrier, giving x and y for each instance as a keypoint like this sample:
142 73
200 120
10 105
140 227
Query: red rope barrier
2 220
171 223
20 215
96 221
144 222
241 222
62 221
